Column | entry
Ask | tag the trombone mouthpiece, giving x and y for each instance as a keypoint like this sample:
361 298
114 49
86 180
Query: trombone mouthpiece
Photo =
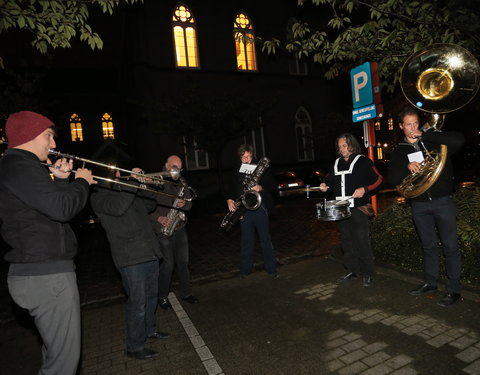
175 173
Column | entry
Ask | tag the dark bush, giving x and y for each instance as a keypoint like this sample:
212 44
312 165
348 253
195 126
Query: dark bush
395 241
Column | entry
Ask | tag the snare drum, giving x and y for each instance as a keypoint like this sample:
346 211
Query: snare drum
333 210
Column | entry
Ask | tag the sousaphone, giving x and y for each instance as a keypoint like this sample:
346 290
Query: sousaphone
437 79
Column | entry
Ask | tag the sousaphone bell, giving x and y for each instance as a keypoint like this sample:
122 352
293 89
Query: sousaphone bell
437 79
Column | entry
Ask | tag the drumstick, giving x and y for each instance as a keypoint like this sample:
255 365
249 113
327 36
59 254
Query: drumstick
343 201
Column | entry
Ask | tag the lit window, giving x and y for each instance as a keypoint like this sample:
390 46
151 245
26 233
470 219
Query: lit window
377 125
244 43
76 128
390 123
185 37
195 158
303 132
107 127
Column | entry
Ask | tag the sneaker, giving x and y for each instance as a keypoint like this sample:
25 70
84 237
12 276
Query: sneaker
349 276
165 303
275 275
422 289
449 299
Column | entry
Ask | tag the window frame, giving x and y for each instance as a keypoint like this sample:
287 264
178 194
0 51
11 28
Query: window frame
307 143
184 25
247 38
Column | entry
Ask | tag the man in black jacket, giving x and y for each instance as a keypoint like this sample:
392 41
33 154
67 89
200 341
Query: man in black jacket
434 210
123 212
169 223
253 220
353 177
34 213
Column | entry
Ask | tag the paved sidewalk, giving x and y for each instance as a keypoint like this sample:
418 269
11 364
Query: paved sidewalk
301 323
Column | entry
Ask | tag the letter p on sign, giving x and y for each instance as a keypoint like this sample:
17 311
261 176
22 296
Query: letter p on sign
362 86
360 80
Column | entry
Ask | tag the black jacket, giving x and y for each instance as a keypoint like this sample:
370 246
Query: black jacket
34 211
124 216
363 174
398 170
165 203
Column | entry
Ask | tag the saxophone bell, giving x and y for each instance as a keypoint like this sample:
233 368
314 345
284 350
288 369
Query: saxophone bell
251 199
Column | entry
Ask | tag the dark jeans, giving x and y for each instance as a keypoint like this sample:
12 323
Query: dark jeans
439 215
175 252
357 252
140 282
256 220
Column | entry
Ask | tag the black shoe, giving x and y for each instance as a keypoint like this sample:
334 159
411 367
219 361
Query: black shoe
349 276
449 299
159 335
422 289
367 281
190 299
145 353
275 275
165 303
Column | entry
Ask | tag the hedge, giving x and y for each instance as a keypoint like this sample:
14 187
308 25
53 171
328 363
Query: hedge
395 241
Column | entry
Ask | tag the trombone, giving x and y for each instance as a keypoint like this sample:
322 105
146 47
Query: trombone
155 179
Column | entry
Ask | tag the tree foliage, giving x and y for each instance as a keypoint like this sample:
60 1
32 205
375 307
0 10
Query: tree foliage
386 31
54 23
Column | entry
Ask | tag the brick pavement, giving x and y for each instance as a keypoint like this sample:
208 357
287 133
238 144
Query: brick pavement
302 323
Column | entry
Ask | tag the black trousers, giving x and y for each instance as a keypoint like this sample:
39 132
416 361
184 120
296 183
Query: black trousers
357 251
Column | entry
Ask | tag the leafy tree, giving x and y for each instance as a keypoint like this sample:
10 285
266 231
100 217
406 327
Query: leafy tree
386 31
54 23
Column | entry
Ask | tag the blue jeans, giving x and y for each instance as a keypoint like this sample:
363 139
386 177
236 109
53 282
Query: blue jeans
439 215
357 252
140 282
256 220
175 252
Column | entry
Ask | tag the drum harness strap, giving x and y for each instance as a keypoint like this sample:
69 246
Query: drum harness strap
343 173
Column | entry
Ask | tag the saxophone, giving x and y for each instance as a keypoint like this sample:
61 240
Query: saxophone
175 215
250 199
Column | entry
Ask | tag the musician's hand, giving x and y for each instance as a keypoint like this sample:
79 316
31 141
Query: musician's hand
257 188
164 220
359 192
62 168
231 205
416 134
324 187
86 174
414 167
136 174
181 203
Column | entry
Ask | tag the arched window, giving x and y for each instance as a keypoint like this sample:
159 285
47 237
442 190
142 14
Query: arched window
185 37
303 131
107 127
244 42
76 128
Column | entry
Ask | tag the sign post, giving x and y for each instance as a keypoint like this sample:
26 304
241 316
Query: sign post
367 105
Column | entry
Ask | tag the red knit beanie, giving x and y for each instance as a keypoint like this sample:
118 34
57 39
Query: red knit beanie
24 126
